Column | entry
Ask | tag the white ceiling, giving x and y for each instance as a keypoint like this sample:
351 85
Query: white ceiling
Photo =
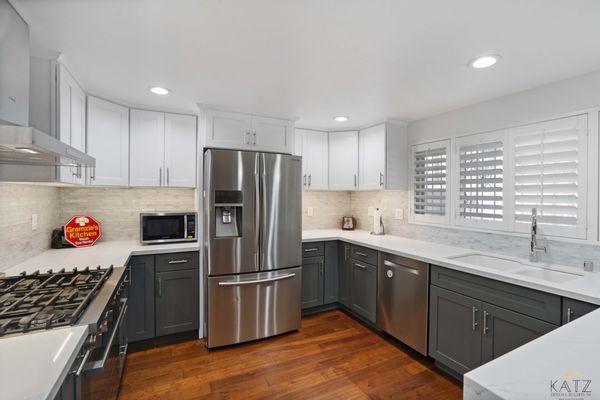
369 59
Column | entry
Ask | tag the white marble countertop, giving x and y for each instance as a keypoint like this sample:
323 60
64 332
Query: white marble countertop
571 351
34 365
115 253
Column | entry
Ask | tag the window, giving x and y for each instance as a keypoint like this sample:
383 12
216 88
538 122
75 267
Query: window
430 202
550 163
480 166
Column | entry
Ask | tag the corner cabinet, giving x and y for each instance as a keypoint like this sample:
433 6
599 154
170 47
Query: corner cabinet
343 160
163 149
230 130
108 142
382 157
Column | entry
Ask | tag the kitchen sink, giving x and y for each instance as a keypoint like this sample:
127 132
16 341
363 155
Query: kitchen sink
482 260
517 267
548 275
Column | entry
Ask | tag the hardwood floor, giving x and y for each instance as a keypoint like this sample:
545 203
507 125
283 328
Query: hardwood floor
331 357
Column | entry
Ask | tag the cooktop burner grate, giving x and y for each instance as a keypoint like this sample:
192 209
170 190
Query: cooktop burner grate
46 300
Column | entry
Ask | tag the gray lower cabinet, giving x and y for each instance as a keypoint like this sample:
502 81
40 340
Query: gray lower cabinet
330 278
504 330
344 273
454 330
140 314
312 282
573 309
176 301
363 290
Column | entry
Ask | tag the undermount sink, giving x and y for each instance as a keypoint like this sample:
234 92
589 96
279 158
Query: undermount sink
517 267
549 275
483 260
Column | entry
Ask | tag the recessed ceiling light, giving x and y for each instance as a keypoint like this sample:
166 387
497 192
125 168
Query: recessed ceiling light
159 90
485 61
341 118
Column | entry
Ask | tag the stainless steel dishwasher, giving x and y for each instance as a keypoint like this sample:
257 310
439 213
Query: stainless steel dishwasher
402 299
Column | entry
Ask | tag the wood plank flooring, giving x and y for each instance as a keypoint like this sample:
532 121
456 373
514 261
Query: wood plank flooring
332 357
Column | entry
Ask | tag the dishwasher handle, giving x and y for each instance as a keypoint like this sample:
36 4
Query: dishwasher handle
410 270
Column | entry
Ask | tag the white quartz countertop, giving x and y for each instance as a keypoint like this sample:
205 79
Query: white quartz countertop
569 353
115 253
34 365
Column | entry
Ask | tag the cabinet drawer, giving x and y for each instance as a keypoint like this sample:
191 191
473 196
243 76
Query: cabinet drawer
313 249
363 254
540 305
177 261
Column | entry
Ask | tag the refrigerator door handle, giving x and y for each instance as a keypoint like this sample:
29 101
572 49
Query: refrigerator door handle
257 210
256 281
263 204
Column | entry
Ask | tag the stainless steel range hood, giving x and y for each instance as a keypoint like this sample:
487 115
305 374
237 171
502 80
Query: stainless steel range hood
29 146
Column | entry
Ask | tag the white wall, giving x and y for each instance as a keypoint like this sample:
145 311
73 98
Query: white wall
533 105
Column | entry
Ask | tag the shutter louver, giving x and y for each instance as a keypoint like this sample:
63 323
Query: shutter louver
547 174
481 175
430 181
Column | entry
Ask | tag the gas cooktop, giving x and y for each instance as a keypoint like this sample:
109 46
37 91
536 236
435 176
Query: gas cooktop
46 300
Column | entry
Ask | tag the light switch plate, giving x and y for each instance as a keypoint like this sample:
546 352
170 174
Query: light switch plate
309 211
399 213
34 221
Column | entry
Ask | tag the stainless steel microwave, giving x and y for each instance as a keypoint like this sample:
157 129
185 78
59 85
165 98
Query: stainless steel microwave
168 227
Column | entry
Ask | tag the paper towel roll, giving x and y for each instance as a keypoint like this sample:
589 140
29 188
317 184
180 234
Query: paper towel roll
377 225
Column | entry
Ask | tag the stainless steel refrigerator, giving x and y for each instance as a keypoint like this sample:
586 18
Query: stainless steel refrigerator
252 245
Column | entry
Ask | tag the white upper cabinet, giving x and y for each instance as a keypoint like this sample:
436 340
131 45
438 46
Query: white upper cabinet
382 157
271 134
163 149
298 138
147 154
108 142
71 120
315 154
180 150
231 130
343 160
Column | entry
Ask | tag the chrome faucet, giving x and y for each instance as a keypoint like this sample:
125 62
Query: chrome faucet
534 248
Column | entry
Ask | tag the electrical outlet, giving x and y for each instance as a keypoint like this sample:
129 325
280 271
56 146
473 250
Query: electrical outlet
309 211
34 222
399 213
370 211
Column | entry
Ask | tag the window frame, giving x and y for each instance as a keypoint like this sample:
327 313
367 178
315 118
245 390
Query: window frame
431 219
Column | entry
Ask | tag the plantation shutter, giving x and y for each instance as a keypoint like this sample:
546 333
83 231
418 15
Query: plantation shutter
550 175
430 181
481 180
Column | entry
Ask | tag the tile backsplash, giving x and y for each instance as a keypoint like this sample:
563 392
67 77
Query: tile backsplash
328 209
18 203
118 209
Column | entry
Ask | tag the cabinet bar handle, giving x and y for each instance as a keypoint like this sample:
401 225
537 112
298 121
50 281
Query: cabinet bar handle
485 327
159 176
254 134
475 318
168 177
360 266
159 287
346 251
304 180
311 249
360 253
354 180
569 314
309 180
177 261
321 267
380 179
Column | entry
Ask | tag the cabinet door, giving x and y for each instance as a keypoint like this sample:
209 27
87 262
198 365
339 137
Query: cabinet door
180 150
139 320
344 273
271 134
573 309
177 301
371 158
343 160
363 290
454 329
504 330
228 130
330 282
315 155
147 154
298 137
108 142
312 282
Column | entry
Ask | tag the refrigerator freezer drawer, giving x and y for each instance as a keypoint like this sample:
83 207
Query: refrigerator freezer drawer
252 306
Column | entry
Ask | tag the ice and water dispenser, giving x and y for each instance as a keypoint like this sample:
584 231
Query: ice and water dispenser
228 213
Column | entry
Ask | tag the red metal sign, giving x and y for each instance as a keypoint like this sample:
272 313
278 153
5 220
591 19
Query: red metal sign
82 231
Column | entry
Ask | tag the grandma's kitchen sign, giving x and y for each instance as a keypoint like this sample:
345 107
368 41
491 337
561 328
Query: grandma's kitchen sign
82 231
